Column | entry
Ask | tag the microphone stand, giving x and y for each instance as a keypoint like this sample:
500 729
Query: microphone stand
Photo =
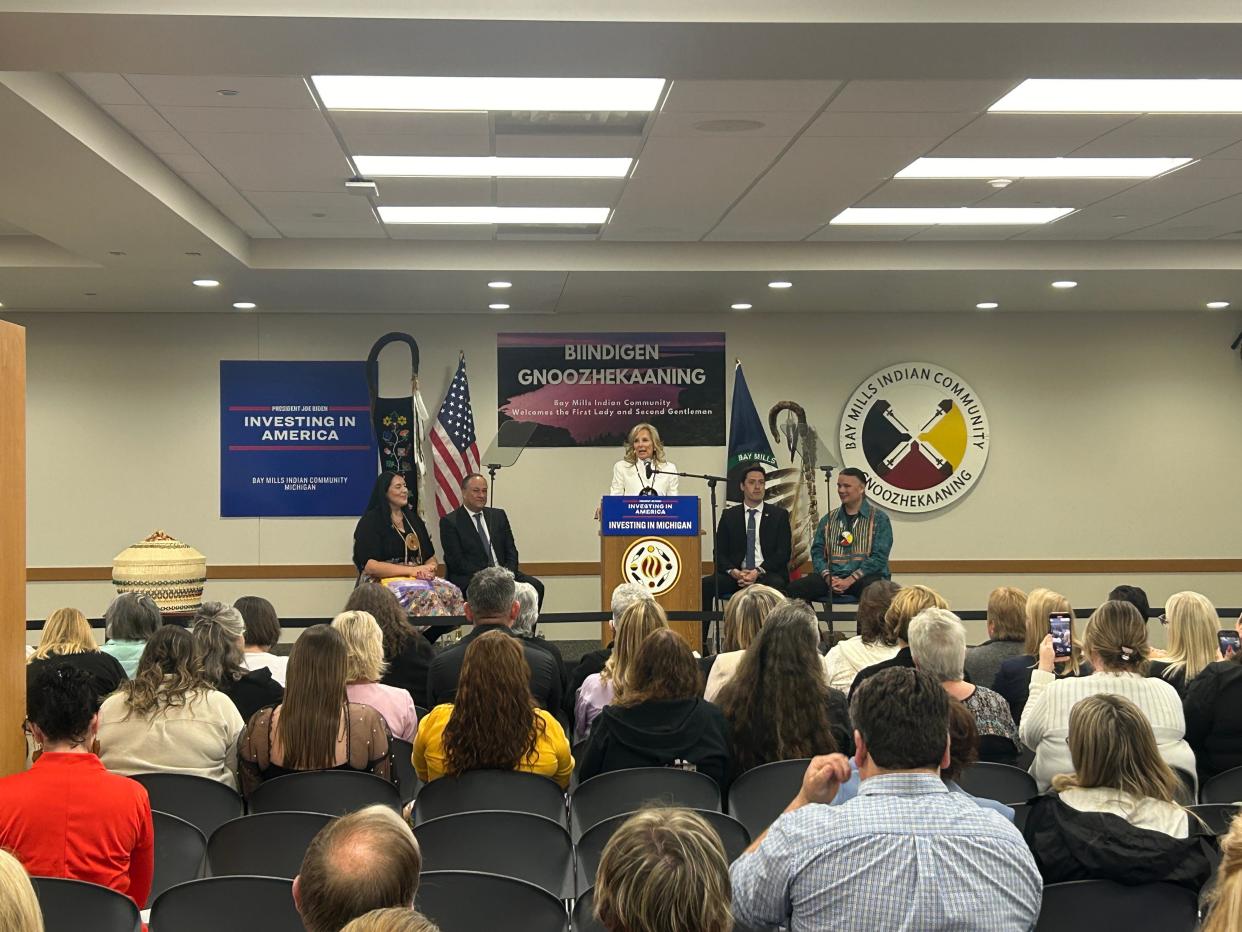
491 482
711 488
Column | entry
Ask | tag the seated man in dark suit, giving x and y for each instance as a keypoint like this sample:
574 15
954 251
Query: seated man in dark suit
491 605
475 537
753 543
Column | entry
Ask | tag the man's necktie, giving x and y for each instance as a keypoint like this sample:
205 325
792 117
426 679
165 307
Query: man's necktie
749 562
487 543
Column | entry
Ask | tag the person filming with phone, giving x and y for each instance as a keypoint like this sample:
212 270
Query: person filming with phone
1214 709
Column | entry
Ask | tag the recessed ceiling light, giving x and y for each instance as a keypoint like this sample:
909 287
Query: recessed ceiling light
1000 182
500 284
206 282
379 92
1065 284
1086 95
228 92
498 307
318 214
1003 169
193 253
90 294
244 305
935 216
116 252
987 305
583 215
741 307
489 166
1218 305
780 284
1 304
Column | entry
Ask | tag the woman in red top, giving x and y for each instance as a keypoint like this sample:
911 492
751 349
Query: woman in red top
67 816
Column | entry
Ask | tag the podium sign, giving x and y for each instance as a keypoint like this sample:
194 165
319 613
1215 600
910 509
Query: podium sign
632 515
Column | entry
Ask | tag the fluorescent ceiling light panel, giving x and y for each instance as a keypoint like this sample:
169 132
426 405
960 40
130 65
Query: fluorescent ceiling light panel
1143 95
1040 168
369 92
489 166
948 216
584 215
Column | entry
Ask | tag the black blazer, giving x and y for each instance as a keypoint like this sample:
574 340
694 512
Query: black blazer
545 678
463 548
775 538
376 539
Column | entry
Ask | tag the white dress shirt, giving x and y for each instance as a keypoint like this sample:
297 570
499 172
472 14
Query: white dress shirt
475 524
631 478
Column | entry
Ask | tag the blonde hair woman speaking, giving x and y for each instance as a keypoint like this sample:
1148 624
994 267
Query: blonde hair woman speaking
642 469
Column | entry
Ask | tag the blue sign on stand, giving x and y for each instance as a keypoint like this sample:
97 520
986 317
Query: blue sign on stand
631 515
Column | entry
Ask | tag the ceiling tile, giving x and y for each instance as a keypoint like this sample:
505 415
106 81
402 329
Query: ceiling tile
441 231
852 234
952 232
558 192
181 90
106 89
322 229
785 123
138 119
1207 222
1120 145
748 95
285 162
960 146
926 193
299 206
1055 192
920 96
1213 168
435 192
186 163
165 143
1094 223
847 123
225 198
1175 192
245 120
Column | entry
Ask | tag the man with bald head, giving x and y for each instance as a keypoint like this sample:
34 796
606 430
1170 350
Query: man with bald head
366 860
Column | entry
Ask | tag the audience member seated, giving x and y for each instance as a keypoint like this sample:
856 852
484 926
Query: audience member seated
67 816
528 620
779 705
364 646
494 723
623 596
1116 645
67 639
663 870
168 718
660 718
357 863
19 907
1213 710
1135 595
743 617
872 644
129 620
220 633
636 622
1193 644
316 727
906 603
262 634
1226 898
393 919
406 652
1115 818
1006 635
906 853
491 605
938 645
1014 677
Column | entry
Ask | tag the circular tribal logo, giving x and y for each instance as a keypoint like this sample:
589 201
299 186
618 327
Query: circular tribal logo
919 431
653 564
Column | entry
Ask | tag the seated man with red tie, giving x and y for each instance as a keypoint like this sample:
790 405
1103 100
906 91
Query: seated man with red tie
753 542
475 537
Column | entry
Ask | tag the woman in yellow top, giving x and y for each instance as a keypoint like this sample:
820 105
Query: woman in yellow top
493 724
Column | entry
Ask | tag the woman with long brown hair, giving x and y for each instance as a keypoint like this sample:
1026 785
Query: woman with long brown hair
316 727
599 689
493 723
662 719
779 705
744 615
169 718
407 653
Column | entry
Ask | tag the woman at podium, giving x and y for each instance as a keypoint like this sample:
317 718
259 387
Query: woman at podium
643 470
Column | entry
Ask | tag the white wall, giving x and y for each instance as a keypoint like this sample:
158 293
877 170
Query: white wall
1113 436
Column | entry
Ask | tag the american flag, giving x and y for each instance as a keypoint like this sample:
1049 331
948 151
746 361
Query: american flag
454 446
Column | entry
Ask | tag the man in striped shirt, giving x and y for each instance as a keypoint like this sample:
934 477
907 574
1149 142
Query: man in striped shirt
905 853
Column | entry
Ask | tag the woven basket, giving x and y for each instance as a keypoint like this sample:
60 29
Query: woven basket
170 572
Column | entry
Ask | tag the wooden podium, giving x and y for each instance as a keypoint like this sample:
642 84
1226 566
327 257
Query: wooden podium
670 564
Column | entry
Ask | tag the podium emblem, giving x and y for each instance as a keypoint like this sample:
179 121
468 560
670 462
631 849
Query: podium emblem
653 564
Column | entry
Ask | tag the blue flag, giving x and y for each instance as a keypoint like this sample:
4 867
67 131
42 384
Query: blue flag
747 441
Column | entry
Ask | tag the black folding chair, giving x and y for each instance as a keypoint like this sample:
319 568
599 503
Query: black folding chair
510 844
1216 816
584 913
619 791
1223 788
179 850
205 804
1001 782
479 790
590 846
407 778
270 844
218 903
75 905
1091 905
1020 812
761 794
335 792
470 901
